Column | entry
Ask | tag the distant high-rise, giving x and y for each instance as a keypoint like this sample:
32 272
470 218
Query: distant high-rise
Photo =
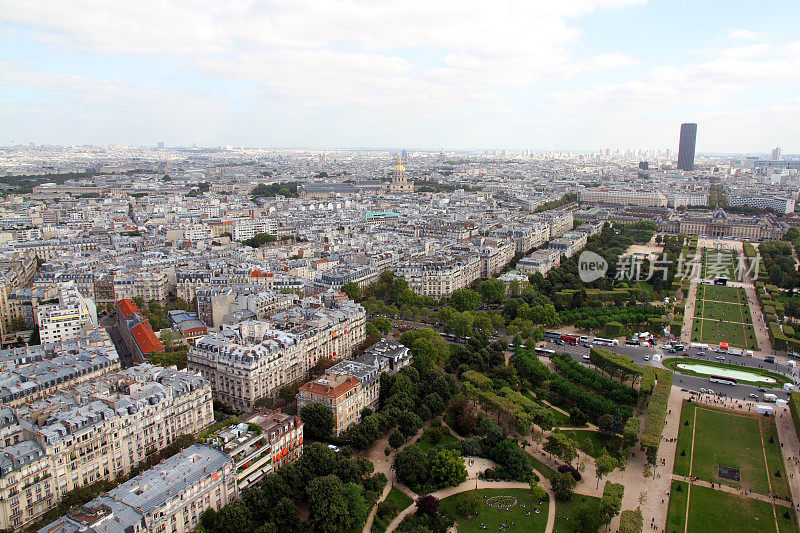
686 147
776 154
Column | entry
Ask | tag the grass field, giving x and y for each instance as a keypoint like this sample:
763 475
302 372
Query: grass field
730 439
426 442
401 500
712 511
565 511
492 518
722 314
719 264
720 293
599 442
542 468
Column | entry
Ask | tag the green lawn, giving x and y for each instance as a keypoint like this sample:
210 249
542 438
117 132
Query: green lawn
676 512
734 440
492 518
713 332
564 511
542 468
722 314
401 501
719 264
730 312
599 442
683 448
426 442
712 511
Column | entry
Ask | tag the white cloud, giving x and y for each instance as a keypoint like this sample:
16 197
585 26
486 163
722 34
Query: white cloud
744 35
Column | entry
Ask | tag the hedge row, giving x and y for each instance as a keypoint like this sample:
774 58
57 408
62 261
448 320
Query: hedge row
590 403
577 373
794 408
612 496
613 363
656 413
631 521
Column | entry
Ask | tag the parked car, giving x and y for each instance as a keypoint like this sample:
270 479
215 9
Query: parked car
754 395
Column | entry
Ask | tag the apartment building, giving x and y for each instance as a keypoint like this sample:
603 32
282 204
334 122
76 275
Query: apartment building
569 244
147 284
779 204
337 276
187 282
260 444
68 318
255 358
250 227
171 497
438 277
35 372
341 393
541 261
16 271
230 304
559 222
650 198
99 429
240 374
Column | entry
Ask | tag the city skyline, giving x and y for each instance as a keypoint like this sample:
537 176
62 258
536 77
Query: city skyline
581 76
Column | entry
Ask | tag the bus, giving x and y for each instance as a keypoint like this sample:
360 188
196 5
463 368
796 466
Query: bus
545 352
571 339
605 342
552 334
723 380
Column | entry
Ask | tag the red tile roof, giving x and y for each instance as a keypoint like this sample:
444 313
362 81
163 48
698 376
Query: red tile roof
146 339
127 307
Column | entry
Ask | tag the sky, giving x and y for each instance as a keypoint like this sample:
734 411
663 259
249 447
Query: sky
416 74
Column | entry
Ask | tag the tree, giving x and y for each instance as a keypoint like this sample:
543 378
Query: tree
383 324
561 446
286 517
327 504
590 515
563 485
396 439
412 465
234 518
606 425
167 337
493 290
357 508
538 493
427 504
447 468
468 504
465 300
352 290
318 420
605 464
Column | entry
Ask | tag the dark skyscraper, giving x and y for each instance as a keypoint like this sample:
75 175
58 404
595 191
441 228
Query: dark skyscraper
686 148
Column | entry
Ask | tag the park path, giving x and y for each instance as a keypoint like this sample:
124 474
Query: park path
653 491
688 316
383 464
760 326
790 449
730 490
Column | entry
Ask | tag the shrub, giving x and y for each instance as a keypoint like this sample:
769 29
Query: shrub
631 521
656 413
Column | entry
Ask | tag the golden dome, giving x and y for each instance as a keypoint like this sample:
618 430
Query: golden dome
399 166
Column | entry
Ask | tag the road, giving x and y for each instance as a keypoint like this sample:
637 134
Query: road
743 392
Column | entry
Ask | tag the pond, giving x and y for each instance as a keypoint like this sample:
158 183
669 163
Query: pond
725 372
